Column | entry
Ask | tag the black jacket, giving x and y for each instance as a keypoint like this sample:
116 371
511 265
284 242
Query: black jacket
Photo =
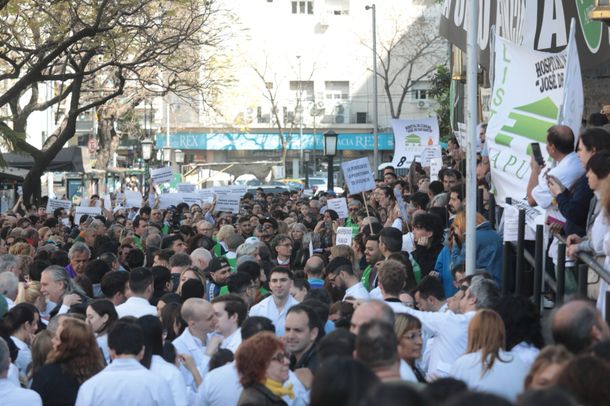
259 395
55 385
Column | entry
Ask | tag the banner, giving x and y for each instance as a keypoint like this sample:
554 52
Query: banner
54 204
411 138
573 102
82 210
161 175
344 236
228 202
358 175
527 94
339 205
185 187
537 25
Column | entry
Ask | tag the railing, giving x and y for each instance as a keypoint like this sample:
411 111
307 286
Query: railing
584 261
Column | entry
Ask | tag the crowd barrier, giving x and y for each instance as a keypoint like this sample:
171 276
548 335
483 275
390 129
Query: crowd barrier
584 262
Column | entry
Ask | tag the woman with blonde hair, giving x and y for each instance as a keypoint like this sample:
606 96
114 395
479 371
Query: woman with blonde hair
546 368
22 249
225 232
410 343
41 347
29 292
75 357
486 366
44 233
488 245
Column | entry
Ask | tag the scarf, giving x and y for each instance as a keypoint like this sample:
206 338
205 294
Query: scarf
277 389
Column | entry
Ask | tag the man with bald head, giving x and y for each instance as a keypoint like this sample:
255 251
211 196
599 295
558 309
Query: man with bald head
314 268
200 320
369 311
578 325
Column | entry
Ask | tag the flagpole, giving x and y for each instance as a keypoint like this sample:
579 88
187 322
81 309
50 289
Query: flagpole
471 145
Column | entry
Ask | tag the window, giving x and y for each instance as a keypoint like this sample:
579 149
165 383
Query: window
302 7
337 7
420 94
336 91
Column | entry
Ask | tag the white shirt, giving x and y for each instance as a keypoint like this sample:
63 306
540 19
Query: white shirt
358 291
267 308
124 382
450 333
232 341
221 387
397 307
172 376
102 342
406 373
408 242
24 357
186 343
14 395
504 379
136 307
375 294
13 374
525 352
567 171
9 302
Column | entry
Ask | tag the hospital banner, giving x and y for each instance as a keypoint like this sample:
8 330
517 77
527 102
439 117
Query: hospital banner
527 96
411 138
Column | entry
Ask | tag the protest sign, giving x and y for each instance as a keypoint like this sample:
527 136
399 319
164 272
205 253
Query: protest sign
339 205
191 198
107 202
358 176
430 153
185 187
436 164
169 199
401 205
411 137
81 210
54 204
206 195
344 236
133 198
526 101
228 202
161 175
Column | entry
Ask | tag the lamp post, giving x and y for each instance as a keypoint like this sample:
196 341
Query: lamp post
375 95
179 157
330 150
601 11
147 153
306 162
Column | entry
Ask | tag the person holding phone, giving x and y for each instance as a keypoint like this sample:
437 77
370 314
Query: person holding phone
564 169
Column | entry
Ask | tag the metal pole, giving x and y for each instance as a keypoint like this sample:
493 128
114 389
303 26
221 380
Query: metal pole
492 210
561 273
538 265
505 270
471 145
167 140
480 205
520 250
331 184
300 104
583 270
375 95
607 306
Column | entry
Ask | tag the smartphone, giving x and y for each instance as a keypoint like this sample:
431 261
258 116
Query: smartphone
537 153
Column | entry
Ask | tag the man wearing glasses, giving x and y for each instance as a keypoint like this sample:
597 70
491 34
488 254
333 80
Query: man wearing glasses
282 245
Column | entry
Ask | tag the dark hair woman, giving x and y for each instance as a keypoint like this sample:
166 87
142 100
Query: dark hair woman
100 316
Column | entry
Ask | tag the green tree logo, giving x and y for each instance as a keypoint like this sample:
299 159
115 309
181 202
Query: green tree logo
591 30
531 121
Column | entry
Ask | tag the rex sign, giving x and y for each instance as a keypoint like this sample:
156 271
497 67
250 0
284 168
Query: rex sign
538 25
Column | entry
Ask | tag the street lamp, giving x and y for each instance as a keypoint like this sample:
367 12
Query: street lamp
375 95
179 156
147 149
167 155
330 150
147 153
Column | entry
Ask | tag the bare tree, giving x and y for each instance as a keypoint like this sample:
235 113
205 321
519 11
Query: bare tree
409 55
106 55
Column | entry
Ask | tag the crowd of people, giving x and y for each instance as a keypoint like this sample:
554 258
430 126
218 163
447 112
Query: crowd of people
189 306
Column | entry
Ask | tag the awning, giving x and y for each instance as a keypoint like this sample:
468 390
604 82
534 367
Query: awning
70 159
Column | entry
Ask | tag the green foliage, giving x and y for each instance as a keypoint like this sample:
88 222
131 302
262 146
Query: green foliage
441 82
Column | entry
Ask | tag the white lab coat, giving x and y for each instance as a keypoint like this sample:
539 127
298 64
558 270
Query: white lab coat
188 344
14 395
267 308
124 382
136 307
171 374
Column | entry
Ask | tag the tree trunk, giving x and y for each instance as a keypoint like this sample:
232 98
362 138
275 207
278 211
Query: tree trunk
108 140
32 188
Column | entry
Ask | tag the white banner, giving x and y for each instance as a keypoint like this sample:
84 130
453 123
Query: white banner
161 175
344 236
206 195
573 102
358 175
54 204
340 206
528 91
186 187
411 137
436 164
133 198
228 202
430 153
81 210
169 199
